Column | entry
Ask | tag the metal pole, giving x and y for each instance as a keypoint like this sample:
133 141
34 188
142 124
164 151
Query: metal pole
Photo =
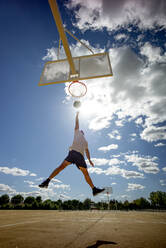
59 24
108 200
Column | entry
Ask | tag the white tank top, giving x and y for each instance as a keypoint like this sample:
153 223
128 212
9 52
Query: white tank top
79 142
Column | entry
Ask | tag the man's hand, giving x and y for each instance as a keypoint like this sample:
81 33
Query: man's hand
90 161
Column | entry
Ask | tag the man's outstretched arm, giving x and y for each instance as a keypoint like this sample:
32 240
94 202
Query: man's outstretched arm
88 156
77 121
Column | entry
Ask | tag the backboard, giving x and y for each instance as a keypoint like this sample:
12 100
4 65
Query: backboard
86 67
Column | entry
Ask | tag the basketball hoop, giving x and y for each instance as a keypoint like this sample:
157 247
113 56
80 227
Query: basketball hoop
77 89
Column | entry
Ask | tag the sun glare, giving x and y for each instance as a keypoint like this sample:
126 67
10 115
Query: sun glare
89 108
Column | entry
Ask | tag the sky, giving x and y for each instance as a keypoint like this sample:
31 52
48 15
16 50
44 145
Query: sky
123 116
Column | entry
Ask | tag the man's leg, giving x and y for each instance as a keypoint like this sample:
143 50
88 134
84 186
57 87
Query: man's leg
87 177
95 190
54 173
59 169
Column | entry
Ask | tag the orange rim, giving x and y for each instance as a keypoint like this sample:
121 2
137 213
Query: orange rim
78 83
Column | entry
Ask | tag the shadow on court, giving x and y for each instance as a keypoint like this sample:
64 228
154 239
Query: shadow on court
85 231
101 242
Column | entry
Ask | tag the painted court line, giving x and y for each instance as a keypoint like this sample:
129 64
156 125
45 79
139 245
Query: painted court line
19 223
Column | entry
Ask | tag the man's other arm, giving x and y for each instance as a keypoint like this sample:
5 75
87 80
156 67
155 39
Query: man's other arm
88 156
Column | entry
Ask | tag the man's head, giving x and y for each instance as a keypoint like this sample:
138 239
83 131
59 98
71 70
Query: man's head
82 132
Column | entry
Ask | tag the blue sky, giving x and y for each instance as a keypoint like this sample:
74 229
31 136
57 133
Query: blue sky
123 116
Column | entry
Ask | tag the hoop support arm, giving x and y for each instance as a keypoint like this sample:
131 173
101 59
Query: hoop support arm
59 24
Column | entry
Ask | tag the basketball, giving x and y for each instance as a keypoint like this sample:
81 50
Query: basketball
77 104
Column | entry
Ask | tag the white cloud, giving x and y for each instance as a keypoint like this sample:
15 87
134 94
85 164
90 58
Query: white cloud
113 168
159 144
56 180
146 163
116 155
135 92
99 161
133 136
113 14
115 161
153 54
116 170
51 54
153 133
134 186
113 183
39 179
14 171
97 171
33 175
125 196
47 193
119 123
163 182
54 190
108 148
30 193
139 121
6 189
120 36
60 186
99 123
132 174
164 169
114 135
103 161
31 184
64 197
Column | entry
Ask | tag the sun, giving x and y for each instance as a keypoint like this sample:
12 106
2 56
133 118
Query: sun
89 108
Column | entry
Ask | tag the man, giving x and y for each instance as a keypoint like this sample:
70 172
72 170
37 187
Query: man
76 156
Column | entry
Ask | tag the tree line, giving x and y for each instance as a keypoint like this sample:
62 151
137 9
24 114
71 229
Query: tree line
156 200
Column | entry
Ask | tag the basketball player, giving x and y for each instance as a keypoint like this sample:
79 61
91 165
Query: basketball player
76 156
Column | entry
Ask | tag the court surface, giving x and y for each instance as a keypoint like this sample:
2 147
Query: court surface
82 229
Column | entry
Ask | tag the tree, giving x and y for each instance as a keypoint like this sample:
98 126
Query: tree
75 204
80 206
158 199
112 204
126 205
59 204
48 204
99 205
17 200
30 202
67 205
87 203
38 202
4 200
39 199
141 203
